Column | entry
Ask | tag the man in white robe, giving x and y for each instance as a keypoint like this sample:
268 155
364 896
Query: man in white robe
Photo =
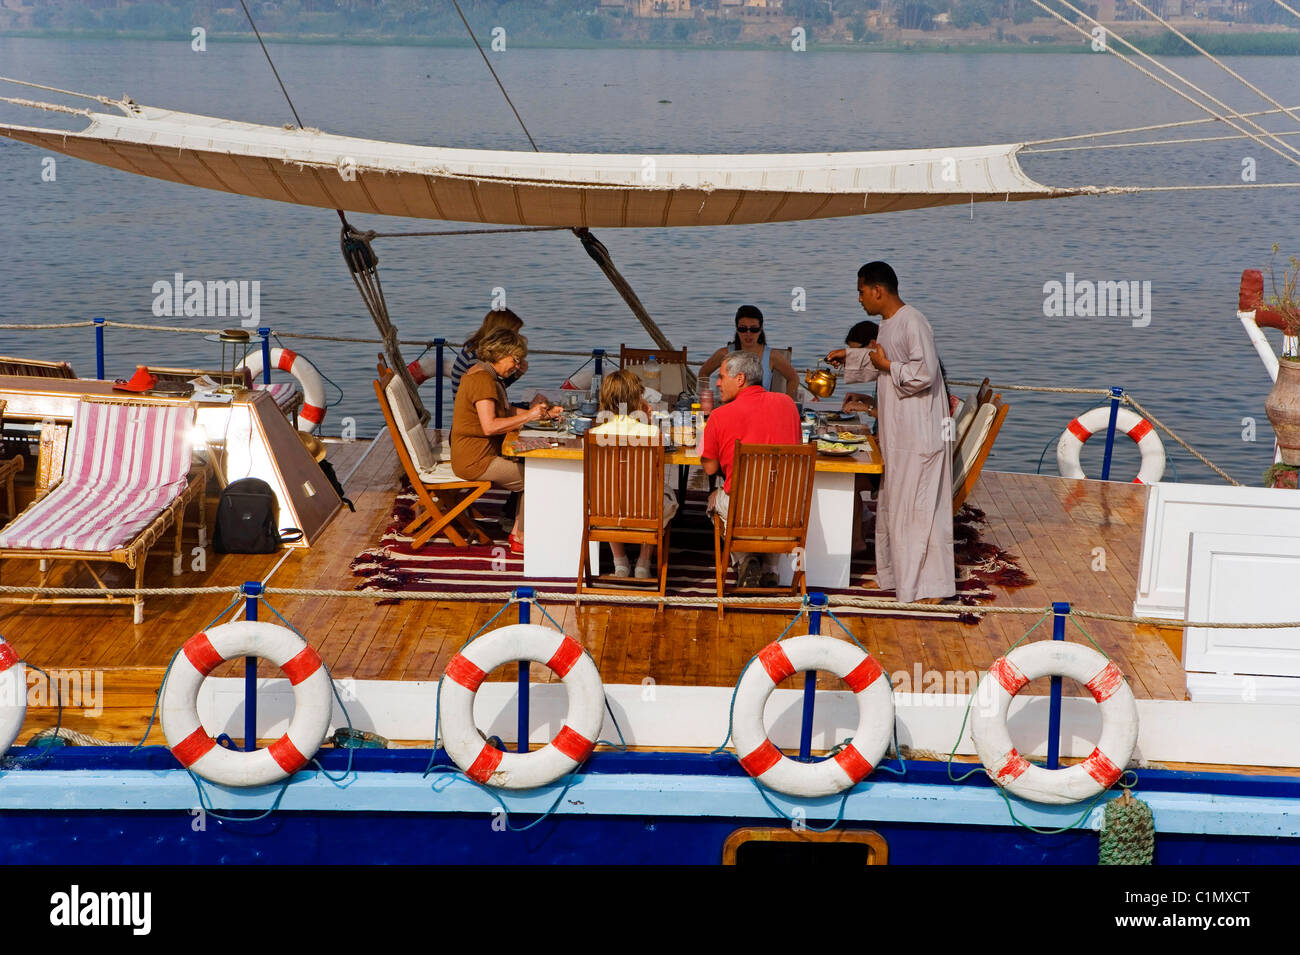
914 552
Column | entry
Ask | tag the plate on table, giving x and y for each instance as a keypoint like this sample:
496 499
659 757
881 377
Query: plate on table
543 424
836 449
842 416
841 437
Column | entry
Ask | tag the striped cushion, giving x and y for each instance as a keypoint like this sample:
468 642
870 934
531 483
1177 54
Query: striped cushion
284 392
126 463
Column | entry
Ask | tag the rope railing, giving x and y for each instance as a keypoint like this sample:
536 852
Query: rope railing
779 602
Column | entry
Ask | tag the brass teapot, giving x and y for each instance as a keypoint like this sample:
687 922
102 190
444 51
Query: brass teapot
821 381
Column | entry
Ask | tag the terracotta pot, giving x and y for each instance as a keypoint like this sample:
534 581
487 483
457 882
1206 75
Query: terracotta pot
1283 409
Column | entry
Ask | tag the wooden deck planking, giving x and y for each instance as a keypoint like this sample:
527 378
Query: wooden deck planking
1050 524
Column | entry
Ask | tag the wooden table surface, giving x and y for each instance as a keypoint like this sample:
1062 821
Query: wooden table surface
867 461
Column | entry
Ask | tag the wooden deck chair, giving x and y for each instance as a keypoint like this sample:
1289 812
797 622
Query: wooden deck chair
9 469
32 368
128 478
770 500
674 376
623 501
779 384
445 502
961 421
984 430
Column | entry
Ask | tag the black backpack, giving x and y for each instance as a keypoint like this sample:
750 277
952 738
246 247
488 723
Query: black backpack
248 520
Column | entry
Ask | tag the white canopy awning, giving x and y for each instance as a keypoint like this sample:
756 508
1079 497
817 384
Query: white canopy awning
309 167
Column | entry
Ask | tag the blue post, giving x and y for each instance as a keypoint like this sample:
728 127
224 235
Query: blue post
523 595
251 590
99 347
266 354
1115 395
1054 705
816 601
598 355
438 344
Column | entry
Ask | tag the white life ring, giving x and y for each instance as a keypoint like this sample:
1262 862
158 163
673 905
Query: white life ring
13 695
850 765
312 411
1127 422
1119 722
312 704
422 369
483 762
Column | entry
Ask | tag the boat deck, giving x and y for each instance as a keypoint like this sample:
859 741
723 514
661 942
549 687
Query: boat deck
1054 526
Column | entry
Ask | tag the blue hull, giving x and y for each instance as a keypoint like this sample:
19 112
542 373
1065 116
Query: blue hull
106 806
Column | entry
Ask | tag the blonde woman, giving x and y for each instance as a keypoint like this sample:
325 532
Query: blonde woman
497 318
624 413
482 416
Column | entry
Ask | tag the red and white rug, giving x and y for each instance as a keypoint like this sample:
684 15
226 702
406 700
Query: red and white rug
392 567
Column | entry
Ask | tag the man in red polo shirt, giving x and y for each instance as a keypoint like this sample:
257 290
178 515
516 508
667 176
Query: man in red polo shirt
754 415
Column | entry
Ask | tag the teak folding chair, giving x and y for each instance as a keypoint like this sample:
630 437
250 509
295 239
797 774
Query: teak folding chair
623 501
674 375
969 459
767 512
445 502
34 368
128 479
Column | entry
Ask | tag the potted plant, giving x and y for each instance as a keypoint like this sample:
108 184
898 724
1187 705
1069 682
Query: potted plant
1283 404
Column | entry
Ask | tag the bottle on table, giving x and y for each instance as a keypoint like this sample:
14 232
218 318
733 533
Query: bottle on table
692 429
652 375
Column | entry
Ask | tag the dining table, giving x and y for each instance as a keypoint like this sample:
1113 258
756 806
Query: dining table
553 500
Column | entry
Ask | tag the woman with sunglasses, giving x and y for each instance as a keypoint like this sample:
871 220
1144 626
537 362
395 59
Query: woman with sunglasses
750 338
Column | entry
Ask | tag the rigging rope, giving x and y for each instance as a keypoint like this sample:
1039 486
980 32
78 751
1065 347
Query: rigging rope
1152 142
267 53
1141 69
54 89
1209 56
1145 129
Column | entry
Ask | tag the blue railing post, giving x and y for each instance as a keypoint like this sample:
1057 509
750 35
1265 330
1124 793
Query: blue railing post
524 595
99 347
438 345
251 590
266 354
1115 395
598 355
1061 611
816 604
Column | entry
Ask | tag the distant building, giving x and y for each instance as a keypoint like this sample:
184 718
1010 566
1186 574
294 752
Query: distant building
1106 11
663 8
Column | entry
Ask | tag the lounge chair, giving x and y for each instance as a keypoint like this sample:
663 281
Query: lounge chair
32 368
128 478
445 501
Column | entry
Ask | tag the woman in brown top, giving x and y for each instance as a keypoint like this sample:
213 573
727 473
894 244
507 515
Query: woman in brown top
483 415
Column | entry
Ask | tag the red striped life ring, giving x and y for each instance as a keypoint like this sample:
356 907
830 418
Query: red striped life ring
1127 422
483 762
1119 722
312 704
855 761
312 412
13 695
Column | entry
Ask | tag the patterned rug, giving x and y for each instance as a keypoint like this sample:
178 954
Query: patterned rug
438 566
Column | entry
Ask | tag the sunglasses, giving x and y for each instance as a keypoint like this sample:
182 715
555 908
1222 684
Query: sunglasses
749 329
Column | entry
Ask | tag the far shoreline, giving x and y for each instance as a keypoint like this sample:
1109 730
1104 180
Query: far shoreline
1255 43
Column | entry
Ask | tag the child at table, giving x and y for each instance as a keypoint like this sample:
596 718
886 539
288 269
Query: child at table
624 413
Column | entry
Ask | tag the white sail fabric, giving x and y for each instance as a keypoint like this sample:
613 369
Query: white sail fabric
309 167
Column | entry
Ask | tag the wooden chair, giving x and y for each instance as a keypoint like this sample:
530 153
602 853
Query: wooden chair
444 501
9 469
768 508
975 449
623 501
675 377
966 414
113 508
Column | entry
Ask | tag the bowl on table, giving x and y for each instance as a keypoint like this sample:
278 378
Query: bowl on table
588 408
580 424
